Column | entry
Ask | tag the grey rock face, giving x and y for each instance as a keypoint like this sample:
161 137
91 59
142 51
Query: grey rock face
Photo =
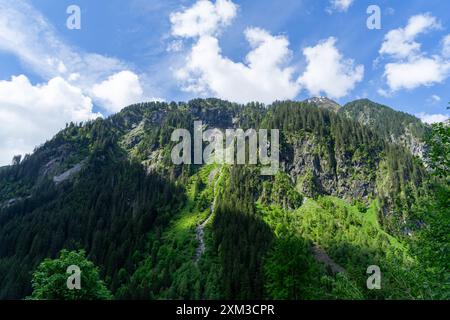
315 173
68 174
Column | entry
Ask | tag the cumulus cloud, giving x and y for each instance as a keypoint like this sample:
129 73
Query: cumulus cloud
203 18
340 5
432 118
31 114
263 77
27 34
417 72
410 67
119 91
401 42
267 73
328 71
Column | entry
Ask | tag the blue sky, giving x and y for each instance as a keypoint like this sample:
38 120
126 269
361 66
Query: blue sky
129 51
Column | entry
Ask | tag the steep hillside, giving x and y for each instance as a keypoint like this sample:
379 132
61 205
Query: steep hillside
346 195
395 126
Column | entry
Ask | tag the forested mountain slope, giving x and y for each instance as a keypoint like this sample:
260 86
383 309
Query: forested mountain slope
397 127
109 187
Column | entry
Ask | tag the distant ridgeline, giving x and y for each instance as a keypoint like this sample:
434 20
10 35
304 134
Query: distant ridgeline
352 191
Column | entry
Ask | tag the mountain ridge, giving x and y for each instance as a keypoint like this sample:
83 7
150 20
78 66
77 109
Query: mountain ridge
126 188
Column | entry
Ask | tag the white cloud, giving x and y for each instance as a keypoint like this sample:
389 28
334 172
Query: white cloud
203 18
384 93
27 34
435 98
267 73
119 91
341 5
432 118
264 77
400 42
420 71
410 67
73 77
446 46
328 71
31 114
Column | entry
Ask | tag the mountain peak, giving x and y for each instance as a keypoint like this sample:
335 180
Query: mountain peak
324 102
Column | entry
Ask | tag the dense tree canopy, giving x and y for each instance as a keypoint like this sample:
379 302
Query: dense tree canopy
50 279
